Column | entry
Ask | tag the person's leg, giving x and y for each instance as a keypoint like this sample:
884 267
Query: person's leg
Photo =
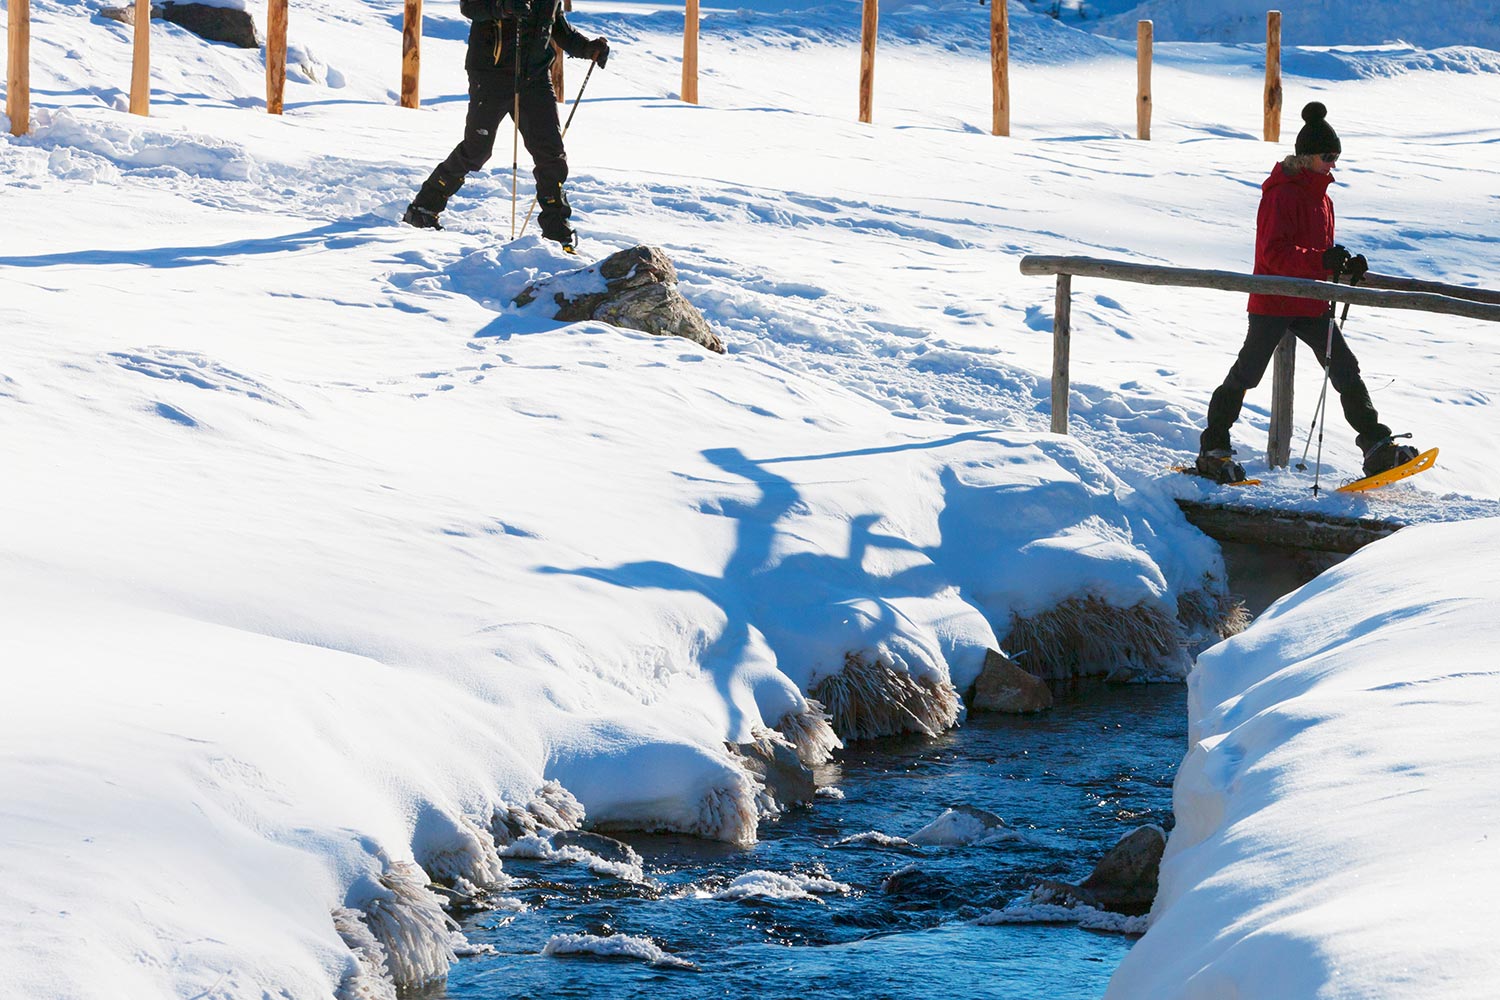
1264 333
1378 451
542 133
489 103
1343 373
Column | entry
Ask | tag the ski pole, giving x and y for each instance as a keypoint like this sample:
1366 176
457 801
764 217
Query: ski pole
563 135
515 127
1320 411
1323 396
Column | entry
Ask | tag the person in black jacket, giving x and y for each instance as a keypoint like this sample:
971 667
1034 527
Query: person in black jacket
502 31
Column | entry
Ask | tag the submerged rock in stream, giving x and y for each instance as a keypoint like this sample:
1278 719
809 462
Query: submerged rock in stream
1124 881
961 825
1004 687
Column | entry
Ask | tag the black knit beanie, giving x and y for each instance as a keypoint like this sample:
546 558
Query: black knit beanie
1317 136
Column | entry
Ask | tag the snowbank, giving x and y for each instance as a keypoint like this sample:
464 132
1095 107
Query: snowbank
1334 814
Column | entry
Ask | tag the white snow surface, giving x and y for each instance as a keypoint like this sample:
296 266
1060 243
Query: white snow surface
315 552
1336 809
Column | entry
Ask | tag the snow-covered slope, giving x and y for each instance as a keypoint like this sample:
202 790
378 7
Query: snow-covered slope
318 558
1335 817
1306 22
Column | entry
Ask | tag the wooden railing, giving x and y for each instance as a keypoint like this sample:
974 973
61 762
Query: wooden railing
1379 290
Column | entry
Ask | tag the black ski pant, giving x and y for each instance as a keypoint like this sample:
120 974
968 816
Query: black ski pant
1260 343
491 99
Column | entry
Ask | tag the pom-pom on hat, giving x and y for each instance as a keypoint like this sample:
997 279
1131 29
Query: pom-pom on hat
1317 136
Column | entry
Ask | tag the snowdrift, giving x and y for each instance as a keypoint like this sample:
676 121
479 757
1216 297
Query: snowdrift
1334 814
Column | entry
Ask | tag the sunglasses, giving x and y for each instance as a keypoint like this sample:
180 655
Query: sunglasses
1329 157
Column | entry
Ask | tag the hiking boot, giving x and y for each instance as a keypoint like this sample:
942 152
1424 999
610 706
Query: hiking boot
554 219
1220 466
421 218
1386 454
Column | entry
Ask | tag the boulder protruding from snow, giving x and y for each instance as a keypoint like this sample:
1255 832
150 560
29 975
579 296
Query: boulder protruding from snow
1004 687
211 22
1124 881
639 292
214 23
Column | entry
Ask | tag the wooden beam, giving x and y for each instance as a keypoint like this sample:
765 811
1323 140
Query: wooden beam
18 67
1143 33
1289 529
140 62
868 30
1231 281
276 17
690 54
1273 76
1389 283
1279 441
1000 67
1062 318
411 55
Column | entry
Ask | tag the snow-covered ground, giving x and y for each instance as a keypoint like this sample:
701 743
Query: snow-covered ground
1335 813
318 555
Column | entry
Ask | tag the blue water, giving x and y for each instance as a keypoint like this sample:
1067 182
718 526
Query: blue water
1074 781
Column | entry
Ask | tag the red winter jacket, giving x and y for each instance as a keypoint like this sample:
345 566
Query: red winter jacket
1293 228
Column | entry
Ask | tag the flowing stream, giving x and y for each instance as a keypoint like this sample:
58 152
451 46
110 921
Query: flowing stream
801 915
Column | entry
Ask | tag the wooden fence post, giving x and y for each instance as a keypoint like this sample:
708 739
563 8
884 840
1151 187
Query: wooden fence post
276 15
140 64
1143 30
18 67
1062 317
557 61
411 55
690 54
1000 66
1279 442
867 61
1273 76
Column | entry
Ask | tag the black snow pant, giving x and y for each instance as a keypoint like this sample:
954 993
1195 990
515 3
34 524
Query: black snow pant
1260 343
491 96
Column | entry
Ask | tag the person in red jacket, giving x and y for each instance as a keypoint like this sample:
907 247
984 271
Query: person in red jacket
1294 238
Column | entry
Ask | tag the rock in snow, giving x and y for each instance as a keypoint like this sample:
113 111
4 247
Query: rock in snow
639 293
213 22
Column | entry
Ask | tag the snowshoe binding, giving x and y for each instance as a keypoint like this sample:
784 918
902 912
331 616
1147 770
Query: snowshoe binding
1385 454
1220 466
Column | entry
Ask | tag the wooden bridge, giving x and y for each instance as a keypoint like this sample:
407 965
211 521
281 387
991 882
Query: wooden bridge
1229 521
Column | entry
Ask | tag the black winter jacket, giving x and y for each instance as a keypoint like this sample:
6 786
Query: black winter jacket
492 36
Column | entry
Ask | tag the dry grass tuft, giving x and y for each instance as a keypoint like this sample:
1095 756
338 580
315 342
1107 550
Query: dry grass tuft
1087 636
809 731
1211 610
869 698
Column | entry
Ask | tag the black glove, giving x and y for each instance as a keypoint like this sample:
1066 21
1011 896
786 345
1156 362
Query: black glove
1356 268
598 50
1335 260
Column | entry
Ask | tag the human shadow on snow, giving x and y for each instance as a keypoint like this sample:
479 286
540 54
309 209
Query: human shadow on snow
343 234
811 604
